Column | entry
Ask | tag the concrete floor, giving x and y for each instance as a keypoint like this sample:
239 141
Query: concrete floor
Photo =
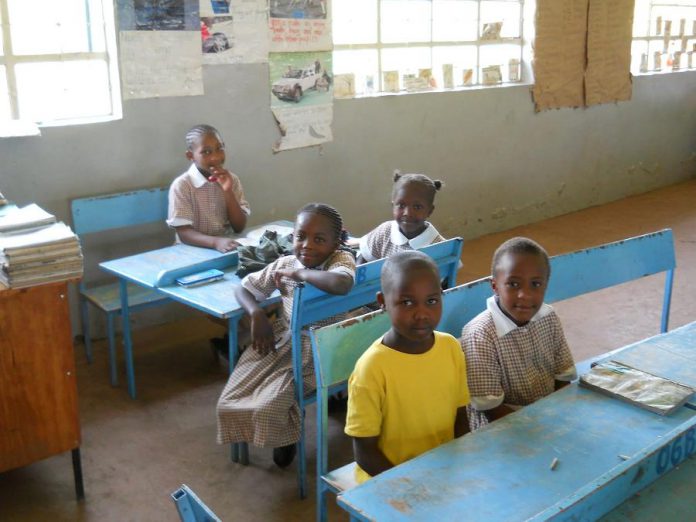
135 453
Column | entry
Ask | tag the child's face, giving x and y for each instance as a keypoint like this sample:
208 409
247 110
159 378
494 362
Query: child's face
209 152
410 208
414 305
314 239
520 284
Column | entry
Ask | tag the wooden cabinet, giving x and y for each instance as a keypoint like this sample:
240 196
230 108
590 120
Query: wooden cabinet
38 389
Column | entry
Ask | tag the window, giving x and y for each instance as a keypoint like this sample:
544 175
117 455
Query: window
58 61
397 45
664 36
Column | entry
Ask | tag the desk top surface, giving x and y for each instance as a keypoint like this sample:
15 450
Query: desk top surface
216 298
503 471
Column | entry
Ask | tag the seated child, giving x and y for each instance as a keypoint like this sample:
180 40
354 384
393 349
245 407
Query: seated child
413 196
408 392
516 352
206 203
258 403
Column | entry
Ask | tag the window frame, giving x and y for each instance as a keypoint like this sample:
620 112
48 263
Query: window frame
109 56
648 38
379 46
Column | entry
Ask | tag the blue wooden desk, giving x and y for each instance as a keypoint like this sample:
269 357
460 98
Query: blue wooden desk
216 299
607 450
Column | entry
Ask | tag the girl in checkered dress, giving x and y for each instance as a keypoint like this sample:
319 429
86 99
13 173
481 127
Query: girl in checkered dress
207 206
258 403
413 197
516 352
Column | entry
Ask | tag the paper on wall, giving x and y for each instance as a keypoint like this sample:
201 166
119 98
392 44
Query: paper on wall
559 53
303 126
300 25
160 63
234 33
301 94
610 30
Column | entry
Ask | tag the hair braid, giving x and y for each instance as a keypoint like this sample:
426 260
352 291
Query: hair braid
431 185
331 214
195 134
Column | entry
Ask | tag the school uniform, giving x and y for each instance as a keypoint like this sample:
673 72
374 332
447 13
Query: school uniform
515 365
387 240
195 201
258 403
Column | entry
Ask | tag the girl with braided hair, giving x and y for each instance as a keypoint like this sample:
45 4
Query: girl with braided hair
413 197
206 203
258 403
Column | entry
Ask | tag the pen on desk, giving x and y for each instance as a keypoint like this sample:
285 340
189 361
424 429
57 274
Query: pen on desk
554 463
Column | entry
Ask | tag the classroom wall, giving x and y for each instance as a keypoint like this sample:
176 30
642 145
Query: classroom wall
503 164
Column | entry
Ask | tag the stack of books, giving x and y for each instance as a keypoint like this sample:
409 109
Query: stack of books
35 249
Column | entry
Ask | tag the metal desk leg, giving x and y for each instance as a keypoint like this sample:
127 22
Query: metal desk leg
77 472
240 451
127 342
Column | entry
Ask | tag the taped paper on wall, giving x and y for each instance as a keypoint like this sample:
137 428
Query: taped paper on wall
160 63
300 25
301 98
236 33
303 127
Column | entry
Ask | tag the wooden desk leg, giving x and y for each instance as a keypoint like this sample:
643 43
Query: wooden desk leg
77 473
127 342
240 451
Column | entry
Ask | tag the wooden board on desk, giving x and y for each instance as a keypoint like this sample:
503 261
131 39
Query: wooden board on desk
38 391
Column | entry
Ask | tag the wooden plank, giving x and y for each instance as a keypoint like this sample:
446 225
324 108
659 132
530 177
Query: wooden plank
38 391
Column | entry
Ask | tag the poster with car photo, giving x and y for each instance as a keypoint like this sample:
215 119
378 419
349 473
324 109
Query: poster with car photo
300 78
301 98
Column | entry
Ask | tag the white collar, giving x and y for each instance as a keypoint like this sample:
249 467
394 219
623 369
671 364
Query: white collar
423 239
503 324
197 179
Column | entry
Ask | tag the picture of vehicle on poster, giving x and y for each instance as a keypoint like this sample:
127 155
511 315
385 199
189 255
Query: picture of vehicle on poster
216 33
300 78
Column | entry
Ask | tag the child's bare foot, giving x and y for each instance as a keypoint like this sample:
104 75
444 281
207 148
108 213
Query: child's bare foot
284 455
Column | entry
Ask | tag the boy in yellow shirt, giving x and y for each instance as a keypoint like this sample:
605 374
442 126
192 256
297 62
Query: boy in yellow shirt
408 392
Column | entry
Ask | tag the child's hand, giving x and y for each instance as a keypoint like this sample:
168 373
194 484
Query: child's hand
221 176
292 274
225 244
262 339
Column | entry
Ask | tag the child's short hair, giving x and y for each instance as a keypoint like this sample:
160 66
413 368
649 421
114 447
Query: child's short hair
331 214
431 185
401 263
520 245
195 134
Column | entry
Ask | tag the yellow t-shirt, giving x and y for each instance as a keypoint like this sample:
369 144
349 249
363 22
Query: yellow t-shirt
409 401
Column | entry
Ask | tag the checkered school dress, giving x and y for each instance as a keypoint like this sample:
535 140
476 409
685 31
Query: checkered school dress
258 403
195 201
387 240
510 364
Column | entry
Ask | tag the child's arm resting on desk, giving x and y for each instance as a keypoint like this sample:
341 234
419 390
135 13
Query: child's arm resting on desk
191 236
369 457
332 282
